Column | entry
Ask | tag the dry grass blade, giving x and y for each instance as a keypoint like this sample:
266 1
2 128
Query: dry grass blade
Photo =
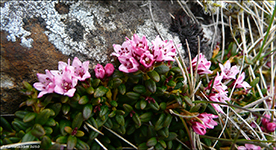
93 128
120 137
100 144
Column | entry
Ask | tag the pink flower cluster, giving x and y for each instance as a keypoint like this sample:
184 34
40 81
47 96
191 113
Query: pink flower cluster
101 72
249 147
63 80
219 91
203 64
268 126
208 122
135 54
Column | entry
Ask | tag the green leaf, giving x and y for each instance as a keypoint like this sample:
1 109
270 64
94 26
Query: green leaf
152 142
30 102
21 114
79 133
117 82
38 130
154 75
100 91
143 146
27 86
90 90
64 99
172 136
120 119
127 107
28 137
77 121
254 82
48 130
63 124
96 82
167 120
108 123
158 146
71 142
56 107
5 124
112 114
146 117
93 135
139 89
65 109
46 142
82 145
68 129
163 106
162 69
87 111
44 115
164 132
104 110
122 89
143 104
29 117
171 83
113 103
150 85
136 119
154 106
62 139
176 69
83 100
133 95
163 143
159 123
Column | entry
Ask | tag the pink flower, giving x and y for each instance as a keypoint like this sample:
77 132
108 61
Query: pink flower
218 86
128 64
163 50
199 128
228 72
203 64
61 67
208 120
109 69
65 83
139 45
270 127
99 71
240 83
147 59
249 147
45 84
124 49
266 119
81 69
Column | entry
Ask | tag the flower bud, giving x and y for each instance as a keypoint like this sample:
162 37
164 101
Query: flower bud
109 69
99 71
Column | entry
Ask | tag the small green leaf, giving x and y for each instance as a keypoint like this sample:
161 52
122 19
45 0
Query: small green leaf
171 83
46 142
154 106
65 109
188 100
5 124
82 145
62 139
87 111
116 82
90 90
122 89
83 100
38 130
133 95
108 123
77 121
44 115
71 142
48 130
29 117
112 114
152 142
254 82
172 136
176 69
154 75
68 129
100 91
113 103
120 119
63 124
96 82
159 122
127 107
64 99
21 114
79 133
139 89
104 110
143 104
145 117
162 69
93 135
163 143
143 146
56 107
136 119
30 102
150 85
163 106
28 137
27 86
167 120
